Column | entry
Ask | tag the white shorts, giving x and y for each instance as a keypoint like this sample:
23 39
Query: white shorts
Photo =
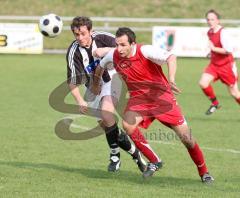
111 88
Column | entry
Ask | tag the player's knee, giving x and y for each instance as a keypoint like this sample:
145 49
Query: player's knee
200 83
203 84
108 119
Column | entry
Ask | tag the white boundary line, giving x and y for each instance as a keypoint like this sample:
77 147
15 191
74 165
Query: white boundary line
162 142
202 147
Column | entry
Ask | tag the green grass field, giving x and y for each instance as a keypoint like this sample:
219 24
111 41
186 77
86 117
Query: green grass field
34 162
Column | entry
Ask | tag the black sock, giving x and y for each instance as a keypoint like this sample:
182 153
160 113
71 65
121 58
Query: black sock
112 139
116 137
125 143
135 154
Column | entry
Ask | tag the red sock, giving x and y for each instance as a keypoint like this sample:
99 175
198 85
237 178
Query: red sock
198 158
238 100
143 146
208 91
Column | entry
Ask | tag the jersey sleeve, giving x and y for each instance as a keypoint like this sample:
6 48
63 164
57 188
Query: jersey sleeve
155 54
108 58
75 73
105 39
225 41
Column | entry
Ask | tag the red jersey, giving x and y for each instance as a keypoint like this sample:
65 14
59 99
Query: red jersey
150 93
217 58
140 73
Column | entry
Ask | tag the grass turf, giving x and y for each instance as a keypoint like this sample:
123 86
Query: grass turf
34 162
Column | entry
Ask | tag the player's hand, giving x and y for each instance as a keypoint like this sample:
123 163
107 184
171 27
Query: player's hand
174 88
96 89
83 107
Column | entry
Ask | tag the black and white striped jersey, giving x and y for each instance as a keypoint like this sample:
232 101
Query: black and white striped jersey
78 58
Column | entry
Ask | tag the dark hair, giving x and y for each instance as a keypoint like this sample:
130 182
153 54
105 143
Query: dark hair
128 32
214 12
79 21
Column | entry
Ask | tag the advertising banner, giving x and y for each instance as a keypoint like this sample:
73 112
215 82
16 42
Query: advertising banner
190 41
20 38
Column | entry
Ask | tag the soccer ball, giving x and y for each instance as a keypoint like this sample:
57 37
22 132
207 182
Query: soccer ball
50 25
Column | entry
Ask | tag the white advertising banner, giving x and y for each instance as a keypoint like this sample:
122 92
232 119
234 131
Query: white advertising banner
20 38
190 41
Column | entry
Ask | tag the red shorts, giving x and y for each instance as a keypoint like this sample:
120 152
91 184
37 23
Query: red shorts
164 108
226 73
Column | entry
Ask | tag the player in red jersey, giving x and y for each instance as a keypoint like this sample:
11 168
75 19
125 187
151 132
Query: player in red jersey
222 65
151 97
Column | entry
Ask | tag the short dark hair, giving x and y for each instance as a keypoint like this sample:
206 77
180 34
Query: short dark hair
128 32
214 12
79 21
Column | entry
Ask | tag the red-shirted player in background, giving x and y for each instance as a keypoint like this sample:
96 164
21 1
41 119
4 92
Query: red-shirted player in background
222 65
151 97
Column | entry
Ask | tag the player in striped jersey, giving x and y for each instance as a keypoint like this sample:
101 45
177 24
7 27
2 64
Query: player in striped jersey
83 56
222 65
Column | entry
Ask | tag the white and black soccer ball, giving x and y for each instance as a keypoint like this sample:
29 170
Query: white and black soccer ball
50 25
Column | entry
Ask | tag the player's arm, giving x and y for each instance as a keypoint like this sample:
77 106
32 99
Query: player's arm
99 71
73 79
226 44
160 57
102 51
108 42
219 50
172 68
